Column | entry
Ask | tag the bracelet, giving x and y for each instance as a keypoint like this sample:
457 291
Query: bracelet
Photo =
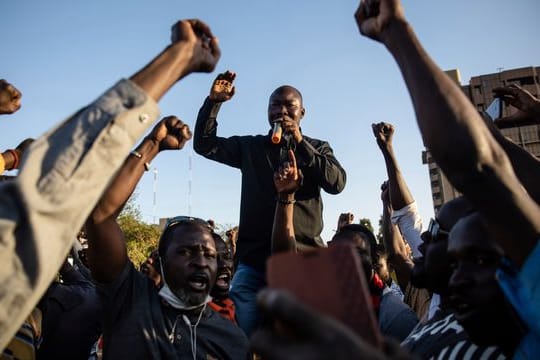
286 202
136 154
139 156
15 159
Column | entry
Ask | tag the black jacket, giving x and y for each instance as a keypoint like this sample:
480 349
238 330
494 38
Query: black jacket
257 157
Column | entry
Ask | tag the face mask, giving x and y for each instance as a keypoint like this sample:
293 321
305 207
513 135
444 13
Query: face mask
167 294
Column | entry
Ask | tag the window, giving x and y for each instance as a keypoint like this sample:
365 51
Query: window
526 80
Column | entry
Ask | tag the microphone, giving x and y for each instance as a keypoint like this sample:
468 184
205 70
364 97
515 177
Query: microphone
277 132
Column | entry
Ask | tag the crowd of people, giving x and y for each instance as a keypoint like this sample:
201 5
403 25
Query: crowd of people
466 287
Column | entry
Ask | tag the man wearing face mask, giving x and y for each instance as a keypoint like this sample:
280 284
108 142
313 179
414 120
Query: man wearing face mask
258 157
140 320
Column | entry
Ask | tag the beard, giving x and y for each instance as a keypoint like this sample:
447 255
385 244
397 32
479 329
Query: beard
190 298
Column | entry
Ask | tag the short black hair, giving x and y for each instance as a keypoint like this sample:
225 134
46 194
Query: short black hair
283 88
365 233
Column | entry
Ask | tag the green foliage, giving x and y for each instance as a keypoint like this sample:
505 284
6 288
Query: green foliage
367 223
141 238
379 235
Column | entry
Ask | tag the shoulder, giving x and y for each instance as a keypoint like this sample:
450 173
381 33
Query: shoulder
315 142
129 281
393 308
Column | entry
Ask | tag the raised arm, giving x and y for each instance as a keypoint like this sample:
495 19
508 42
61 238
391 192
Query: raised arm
453 131
66 170
404 211
193 49
287 180
400 196
394 244
205 141
107 254
344 219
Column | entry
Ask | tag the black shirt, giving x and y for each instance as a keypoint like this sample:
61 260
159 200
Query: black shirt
258 158
442 337
138 324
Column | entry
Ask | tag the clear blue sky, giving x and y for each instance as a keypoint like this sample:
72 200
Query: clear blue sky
62 54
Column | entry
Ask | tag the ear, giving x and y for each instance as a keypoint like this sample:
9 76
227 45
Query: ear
302 112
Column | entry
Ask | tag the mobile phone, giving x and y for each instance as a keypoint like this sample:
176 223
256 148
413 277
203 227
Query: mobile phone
330 281
495 109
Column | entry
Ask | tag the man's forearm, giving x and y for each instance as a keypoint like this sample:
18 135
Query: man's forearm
163 71
463 146
206 127
121 188
397 254
283 237
400 195
442 110
107 253
63 175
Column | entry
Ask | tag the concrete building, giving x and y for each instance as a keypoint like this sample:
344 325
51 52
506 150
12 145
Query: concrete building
480 91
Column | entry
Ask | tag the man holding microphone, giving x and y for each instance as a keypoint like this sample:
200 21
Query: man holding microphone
258 157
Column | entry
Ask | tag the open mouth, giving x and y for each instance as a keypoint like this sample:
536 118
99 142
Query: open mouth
462 309
223 280
199 282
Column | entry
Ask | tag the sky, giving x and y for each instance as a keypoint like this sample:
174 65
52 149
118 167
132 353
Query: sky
63 54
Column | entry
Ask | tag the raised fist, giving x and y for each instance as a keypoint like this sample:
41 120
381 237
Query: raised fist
170 133
222 87
205 51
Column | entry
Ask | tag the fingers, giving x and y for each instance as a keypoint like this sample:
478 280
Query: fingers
205 35
507 90
292 158
382 129
201 28
360 14
178 128
375 128
229 76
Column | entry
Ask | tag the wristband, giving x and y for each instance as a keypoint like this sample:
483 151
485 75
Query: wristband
139 156
286 202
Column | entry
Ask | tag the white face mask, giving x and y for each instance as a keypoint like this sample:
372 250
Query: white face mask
175 301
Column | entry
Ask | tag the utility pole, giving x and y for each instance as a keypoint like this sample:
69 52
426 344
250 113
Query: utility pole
154 208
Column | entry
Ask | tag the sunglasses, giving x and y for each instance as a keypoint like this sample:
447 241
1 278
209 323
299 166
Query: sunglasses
186 219
436 232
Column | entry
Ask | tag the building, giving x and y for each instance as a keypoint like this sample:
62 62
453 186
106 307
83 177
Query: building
480 91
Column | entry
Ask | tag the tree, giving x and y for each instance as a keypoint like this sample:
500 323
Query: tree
380 232
141 238
367 223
